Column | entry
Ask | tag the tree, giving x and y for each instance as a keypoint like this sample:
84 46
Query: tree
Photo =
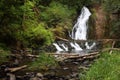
112 8
16 19
58 17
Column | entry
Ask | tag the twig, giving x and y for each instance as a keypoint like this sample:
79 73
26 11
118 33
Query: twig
112 46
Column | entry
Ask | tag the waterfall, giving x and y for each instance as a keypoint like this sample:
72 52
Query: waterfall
65 47
90 47
76 46
58 47
79 32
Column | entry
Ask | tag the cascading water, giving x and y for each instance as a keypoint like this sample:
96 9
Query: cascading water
65 47
58 47
76 46
79 32
90 47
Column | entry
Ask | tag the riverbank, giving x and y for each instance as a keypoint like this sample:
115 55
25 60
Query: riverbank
105 68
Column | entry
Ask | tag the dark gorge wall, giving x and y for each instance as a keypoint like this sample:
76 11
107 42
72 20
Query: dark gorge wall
104 24
97 22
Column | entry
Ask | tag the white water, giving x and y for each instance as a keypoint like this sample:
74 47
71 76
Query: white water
58 47
90 47
79 32
65 47
76 46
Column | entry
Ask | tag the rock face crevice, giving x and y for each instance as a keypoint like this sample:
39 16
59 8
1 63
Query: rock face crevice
100 22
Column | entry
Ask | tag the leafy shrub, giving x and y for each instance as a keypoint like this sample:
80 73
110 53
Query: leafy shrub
38 35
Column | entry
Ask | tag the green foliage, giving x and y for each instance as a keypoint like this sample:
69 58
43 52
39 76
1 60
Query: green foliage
58 17
77 5
115 27
4 52
105 68
44 61
97 1
56 13
112 8
31 22
19 23
38 35
112 5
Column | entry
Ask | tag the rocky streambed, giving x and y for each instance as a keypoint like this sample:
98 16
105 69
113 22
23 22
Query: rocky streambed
68 69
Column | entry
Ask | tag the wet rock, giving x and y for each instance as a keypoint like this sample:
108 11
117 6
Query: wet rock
74 75
16 63
35 78
39 75
3 71
11 76
27 76
65 68
51 73
82 68
19 78
72 79
86 62
76 63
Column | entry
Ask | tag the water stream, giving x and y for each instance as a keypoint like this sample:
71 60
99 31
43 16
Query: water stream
79 32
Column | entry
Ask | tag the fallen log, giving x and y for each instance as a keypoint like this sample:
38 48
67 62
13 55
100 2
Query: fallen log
83 67
98 40
16 68
73 54
83 56
89 57
88 39
65 56
109 49
30 55
61 38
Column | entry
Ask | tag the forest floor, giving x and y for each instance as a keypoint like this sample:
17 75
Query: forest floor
73 68
68 69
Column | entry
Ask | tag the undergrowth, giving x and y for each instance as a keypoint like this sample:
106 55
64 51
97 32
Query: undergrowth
4 52
44 61
107 67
